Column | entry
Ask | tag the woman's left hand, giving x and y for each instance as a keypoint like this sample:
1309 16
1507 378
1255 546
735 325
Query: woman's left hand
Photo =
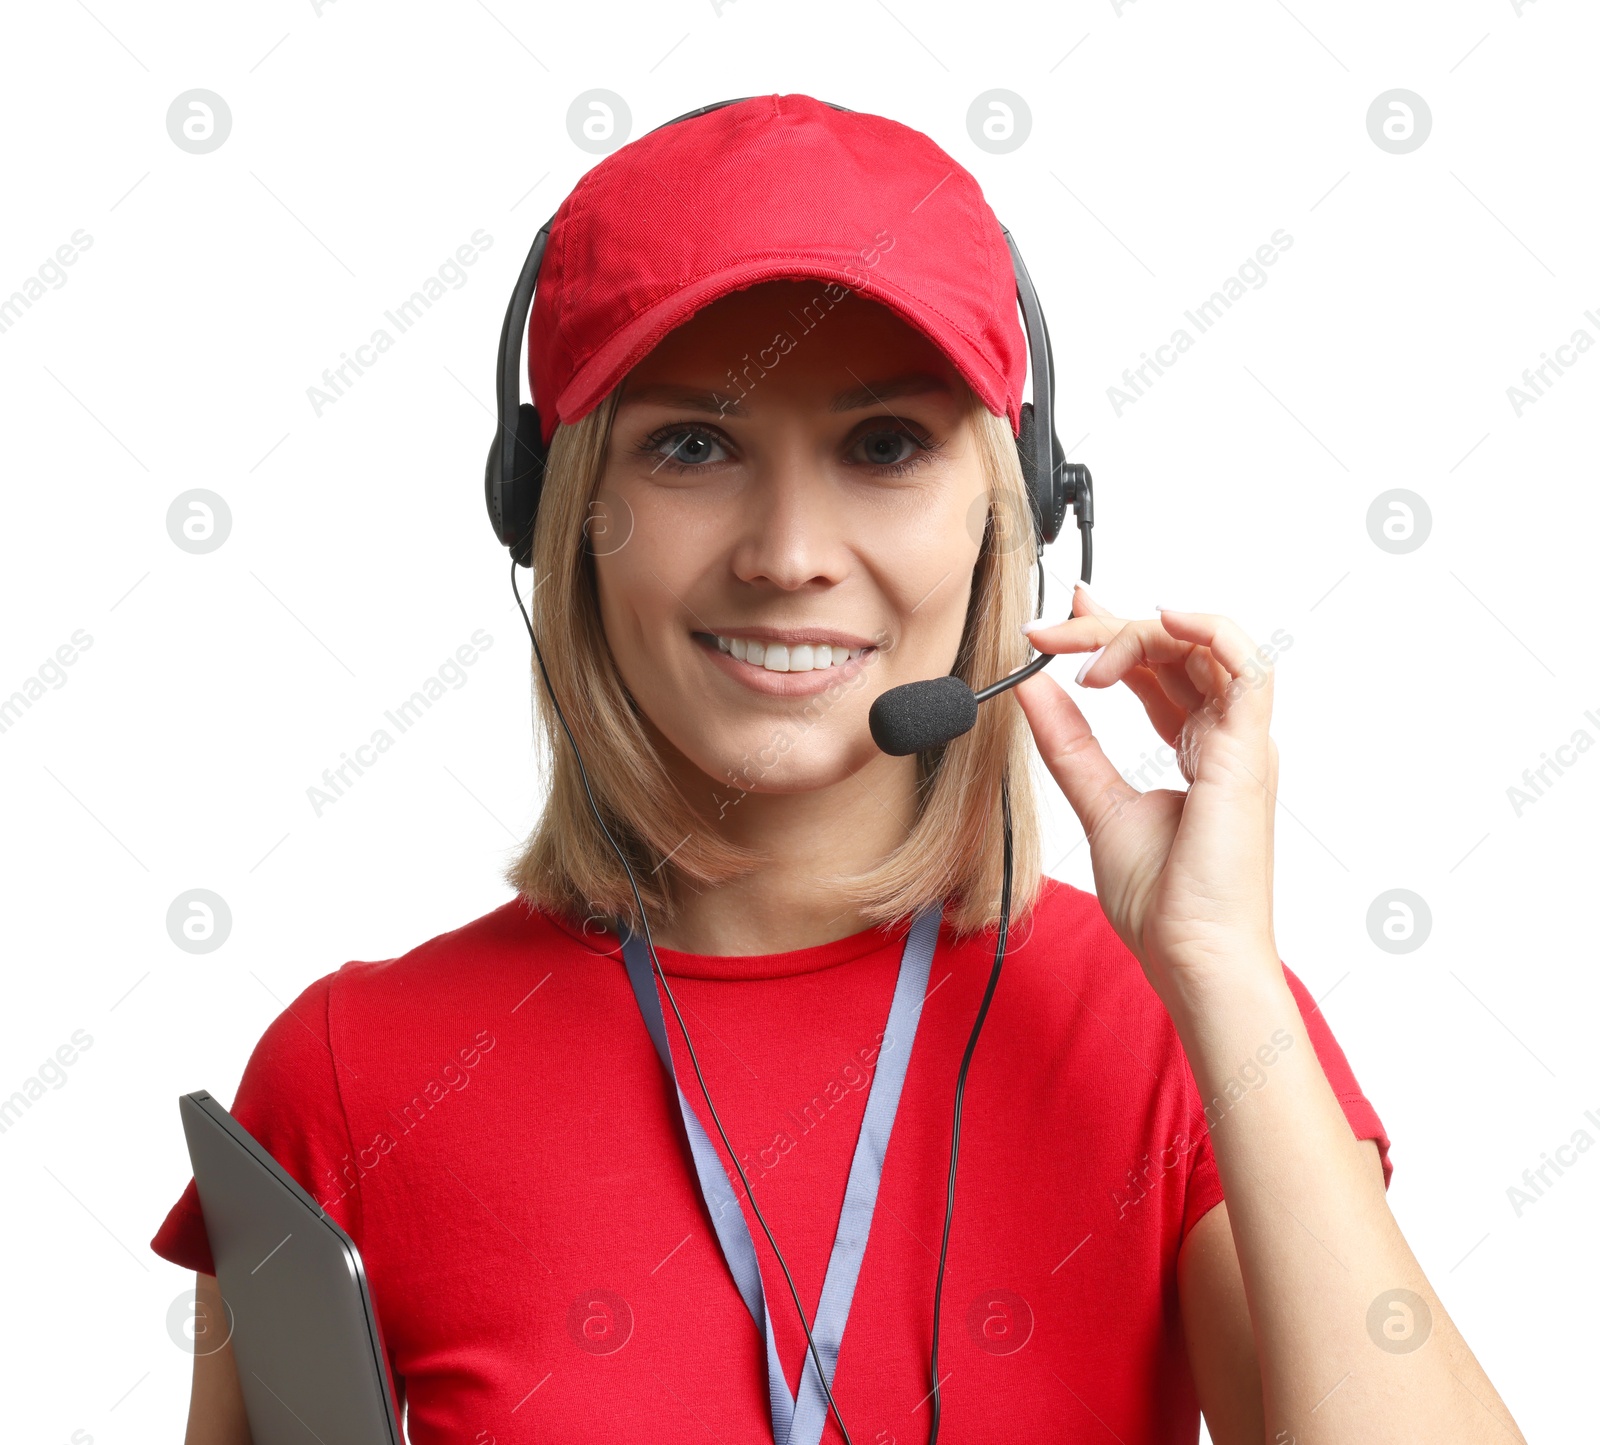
1184 877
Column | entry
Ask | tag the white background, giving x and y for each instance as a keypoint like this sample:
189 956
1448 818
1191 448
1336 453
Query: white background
1167 143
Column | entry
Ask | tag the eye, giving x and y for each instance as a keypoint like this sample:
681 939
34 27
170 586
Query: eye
683 448
894 451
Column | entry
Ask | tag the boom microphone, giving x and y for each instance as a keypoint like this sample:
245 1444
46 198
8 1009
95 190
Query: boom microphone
918 716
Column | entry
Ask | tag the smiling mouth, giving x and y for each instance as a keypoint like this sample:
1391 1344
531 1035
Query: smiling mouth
771 656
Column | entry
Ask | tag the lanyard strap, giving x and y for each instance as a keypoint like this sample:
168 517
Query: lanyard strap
800 1420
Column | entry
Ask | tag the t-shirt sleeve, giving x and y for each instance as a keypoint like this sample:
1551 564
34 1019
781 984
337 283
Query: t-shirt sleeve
289 1100
1205 1184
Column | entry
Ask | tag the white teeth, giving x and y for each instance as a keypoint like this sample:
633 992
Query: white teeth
782 657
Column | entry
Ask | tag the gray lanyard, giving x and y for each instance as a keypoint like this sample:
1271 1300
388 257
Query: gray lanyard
800 1421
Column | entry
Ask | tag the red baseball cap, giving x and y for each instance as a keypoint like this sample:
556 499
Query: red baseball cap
777 186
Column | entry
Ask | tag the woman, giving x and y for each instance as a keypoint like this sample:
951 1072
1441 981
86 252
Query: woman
768 501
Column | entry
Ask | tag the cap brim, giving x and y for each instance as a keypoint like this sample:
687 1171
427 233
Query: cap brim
629 345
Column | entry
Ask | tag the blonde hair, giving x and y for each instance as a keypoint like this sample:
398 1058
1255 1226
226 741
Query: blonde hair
953 851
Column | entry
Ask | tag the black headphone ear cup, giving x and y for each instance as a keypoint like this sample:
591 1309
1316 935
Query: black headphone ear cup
1025 455
513 501
521 492
1053 501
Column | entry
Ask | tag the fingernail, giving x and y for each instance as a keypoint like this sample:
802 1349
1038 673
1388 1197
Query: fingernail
1088 662
1171 609
1035 624
1083 587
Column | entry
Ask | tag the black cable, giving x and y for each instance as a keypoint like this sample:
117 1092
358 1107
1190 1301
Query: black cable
994 689
961 1085
1043 660
661 973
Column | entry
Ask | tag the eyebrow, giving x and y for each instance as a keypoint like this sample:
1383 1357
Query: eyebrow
915 383
716 403
683 398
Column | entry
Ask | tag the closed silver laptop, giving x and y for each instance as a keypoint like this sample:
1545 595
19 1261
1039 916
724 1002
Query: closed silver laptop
305 1338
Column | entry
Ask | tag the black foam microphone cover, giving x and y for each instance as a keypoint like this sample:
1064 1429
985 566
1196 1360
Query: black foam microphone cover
922 715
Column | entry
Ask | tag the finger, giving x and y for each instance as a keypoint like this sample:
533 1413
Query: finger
1084 605
1208 675
1166 692
1245 676
1166 713
1071 752
1203 672
1072 634
1232 672
1166 716
1161 688
1226 640
1178 685
1148 642
1084 602
1173 677
1141 642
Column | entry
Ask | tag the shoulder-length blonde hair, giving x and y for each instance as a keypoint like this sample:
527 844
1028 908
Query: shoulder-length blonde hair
953 851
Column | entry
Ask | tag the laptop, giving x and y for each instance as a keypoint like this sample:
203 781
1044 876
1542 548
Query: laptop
305 1337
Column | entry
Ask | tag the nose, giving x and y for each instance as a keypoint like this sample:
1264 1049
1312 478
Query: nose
793 525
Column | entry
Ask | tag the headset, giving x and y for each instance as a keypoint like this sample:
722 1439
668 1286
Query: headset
514 475
513 482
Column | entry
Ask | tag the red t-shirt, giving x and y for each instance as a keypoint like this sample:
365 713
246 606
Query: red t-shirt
488 1120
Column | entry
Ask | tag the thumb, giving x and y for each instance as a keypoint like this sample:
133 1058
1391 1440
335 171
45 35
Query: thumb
1073 755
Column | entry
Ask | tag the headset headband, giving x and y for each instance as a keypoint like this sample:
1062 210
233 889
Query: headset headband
518 453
